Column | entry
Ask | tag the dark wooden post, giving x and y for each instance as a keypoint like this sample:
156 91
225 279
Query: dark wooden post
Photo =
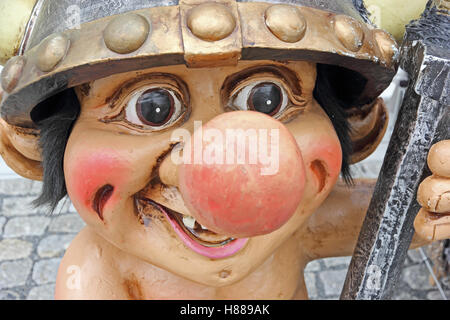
423 120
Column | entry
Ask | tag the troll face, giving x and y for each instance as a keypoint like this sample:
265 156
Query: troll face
122 180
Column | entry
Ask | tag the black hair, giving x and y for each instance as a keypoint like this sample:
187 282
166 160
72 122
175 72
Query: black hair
336 90
56 116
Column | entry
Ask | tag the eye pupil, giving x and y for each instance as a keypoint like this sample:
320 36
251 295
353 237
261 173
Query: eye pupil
266 98
155 107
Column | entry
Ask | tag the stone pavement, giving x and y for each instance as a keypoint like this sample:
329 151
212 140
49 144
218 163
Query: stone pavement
325 278
32 244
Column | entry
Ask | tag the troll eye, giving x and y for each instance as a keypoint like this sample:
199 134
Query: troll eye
155 107
268 97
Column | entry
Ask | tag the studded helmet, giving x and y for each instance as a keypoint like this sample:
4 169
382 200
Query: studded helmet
68 43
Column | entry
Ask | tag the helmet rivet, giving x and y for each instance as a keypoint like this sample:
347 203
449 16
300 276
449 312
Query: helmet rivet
11 72
286 22
51 51
349 32
211 21
386 44
126 33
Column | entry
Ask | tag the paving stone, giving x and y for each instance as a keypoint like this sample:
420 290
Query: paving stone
72 208
333 281
12 249
19 206
313 266
44 292
9 295
26 226
405 295
14 273
36 187
54 245
436 295
415 256
417 277
334 262
13 187
2 223
310 281
71 223
45 271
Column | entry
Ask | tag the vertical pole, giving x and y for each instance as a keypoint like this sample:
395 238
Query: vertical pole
424 119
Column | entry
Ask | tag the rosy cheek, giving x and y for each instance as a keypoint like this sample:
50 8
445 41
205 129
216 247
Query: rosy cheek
323 156
95 178
329 151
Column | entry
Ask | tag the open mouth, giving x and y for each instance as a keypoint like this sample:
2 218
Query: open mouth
193 234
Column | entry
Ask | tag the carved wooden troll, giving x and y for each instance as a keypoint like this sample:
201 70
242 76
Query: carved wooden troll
279 98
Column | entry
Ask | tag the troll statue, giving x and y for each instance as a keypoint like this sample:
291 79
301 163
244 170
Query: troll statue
206 144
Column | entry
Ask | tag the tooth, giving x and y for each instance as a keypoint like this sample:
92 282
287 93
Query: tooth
189 222
203 227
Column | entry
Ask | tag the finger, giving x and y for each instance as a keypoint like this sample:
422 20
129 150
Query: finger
434 194
439 158
430 227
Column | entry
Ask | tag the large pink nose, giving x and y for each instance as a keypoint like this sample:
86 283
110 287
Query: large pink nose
246 175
